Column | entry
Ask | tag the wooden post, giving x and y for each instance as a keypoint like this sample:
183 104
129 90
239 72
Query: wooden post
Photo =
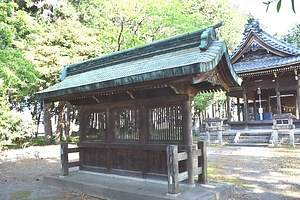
298 98
188 137
64 160
238 108
109 139
278 97
173 169
202 162
246 107
228 107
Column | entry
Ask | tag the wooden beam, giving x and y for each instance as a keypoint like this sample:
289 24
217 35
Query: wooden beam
184 89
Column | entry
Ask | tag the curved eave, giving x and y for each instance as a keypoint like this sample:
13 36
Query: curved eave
228 81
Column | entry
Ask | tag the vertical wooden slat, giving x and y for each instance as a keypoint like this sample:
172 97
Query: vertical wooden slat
202 162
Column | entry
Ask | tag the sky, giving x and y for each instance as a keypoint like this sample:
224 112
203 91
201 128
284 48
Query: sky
272 21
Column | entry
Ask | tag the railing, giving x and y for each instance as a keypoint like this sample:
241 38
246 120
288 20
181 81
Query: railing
64 155
173 159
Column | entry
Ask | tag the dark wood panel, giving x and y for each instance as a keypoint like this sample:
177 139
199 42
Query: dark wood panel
94 157
157 162
143 162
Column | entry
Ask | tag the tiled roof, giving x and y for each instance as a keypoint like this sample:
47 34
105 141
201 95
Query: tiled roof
172 57
289 54
254 28
265 63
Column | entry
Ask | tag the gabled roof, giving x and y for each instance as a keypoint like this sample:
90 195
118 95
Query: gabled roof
260 51
184 55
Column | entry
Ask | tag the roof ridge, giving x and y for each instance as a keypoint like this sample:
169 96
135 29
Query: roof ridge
175 43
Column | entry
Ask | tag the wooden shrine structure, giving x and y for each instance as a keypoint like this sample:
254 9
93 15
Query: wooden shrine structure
136 102
270 72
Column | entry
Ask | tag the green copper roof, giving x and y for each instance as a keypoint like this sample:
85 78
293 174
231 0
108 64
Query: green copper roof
186 54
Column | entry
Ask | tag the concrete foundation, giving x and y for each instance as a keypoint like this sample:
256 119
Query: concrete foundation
125 188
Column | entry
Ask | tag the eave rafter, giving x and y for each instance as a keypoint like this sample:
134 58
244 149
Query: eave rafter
277 69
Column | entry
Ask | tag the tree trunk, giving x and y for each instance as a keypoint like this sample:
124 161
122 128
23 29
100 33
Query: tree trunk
47 123
60 128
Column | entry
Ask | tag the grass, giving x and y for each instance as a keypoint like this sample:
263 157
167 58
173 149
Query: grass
215 175
23 194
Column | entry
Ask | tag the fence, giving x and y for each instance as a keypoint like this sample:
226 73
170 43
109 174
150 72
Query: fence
173 159
64 158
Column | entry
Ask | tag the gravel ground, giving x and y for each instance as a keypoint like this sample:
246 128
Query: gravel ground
259 173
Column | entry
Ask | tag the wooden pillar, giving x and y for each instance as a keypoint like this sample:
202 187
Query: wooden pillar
298 98
202 162
109 136
83 128
83 124
278 96
228 107
246 106
238 108
173 169
254 108
268 101
143 124
187 122
143 127
188 137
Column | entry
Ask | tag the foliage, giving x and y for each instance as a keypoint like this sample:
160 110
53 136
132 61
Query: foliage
204 99
293 36
279 4
14 127
19 75
38 37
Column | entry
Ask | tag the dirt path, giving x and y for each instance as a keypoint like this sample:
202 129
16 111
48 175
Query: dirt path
22 172
259 173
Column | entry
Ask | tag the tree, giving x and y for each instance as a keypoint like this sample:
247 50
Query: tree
293 36
49 34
